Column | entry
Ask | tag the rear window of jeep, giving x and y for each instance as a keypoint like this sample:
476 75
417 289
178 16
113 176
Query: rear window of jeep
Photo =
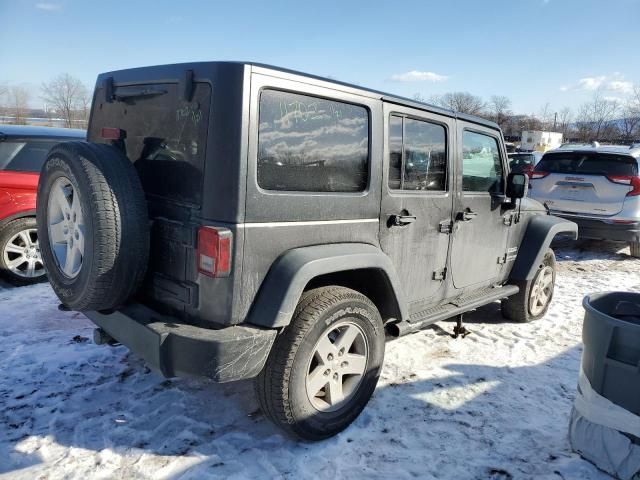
311 144
166 136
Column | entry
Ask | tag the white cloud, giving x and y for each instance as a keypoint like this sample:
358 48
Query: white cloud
48 6
417 76
620 86
609 83
591 83
612 99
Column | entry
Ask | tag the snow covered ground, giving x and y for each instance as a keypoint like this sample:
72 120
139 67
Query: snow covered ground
493 405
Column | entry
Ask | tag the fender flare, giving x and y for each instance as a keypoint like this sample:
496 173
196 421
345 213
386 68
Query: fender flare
537 238
17 216
284 284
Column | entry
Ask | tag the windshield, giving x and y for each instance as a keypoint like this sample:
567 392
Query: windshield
588 163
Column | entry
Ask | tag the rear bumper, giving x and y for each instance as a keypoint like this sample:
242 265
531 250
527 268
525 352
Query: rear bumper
599 230
178 349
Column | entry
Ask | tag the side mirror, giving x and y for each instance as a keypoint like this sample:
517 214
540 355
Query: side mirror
517 185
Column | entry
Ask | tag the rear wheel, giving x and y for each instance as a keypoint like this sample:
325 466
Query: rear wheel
20 259
535 295
635 249
325 365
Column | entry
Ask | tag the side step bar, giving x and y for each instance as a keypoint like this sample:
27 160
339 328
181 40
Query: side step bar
452 309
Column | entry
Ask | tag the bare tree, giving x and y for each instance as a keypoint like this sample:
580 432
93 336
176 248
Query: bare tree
630 123
500 110
546 115
68 97
18 103
594 119
564 122
4 90
462 102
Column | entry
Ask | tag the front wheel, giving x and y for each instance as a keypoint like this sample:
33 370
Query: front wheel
325 365
535 295
635 249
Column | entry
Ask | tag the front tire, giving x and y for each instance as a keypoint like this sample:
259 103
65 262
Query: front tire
535 295
634 247
325 365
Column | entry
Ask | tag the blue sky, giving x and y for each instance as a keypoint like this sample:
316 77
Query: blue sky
533 51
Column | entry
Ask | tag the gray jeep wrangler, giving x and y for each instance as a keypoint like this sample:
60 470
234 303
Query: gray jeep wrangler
234 220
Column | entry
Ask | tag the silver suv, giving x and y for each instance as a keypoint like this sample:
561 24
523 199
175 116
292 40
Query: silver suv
597 187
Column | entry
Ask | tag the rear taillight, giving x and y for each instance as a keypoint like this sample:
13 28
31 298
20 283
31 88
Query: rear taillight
214 251
533 175
113 133
632 181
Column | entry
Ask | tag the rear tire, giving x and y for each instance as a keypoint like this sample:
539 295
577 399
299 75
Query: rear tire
92 225
308 387
527 304
634 247
20 259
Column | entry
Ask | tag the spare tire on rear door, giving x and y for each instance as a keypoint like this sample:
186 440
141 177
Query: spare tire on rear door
92 225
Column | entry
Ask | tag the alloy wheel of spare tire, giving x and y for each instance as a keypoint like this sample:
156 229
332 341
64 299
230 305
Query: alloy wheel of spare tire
92 225
66 227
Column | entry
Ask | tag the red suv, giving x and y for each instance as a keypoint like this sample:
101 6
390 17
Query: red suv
23 150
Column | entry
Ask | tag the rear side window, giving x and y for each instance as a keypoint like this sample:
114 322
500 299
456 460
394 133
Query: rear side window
25 155
310 144
418 155
588 163
481 164
166 136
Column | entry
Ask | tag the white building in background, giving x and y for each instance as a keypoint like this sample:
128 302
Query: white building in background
539 141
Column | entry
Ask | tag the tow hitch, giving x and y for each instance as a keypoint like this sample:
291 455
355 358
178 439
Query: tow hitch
100 337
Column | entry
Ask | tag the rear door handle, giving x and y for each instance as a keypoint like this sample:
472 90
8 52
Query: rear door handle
402 220
466 216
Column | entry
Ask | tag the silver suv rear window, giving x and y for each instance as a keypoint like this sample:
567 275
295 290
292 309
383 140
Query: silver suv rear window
588 163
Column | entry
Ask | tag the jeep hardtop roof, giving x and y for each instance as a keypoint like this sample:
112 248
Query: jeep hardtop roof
177 71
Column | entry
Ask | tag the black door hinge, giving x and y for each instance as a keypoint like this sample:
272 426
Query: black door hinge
440 274
445 226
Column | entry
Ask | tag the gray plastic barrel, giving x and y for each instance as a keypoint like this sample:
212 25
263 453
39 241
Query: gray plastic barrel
611 356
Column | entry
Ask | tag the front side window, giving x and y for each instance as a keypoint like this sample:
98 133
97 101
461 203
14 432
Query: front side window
310 144
418 155
481 164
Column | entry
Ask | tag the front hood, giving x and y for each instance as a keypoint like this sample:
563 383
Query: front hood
531 205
